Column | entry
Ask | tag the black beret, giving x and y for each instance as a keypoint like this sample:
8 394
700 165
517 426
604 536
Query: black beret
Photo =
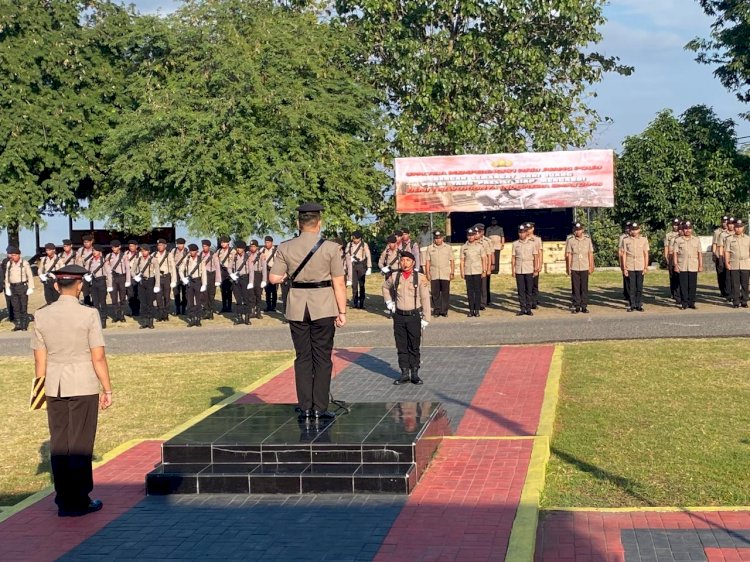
635 225
49 246
240 245
115 244
405 254
70 272
132 242
206 242
146 247
404 230
268 239
310 208
13 250
688 224
731 220
577 226
357 234
530 224
739 222
521 227
179 241
724 218
67 242
224 239
87 238
193 247
479 226
253 242
391 239
470 231
161 241
437 234
97 247
675 221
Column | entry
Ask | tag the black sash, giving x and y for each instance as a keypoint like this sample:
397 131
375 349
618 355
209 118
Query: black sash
52 267
182 259
117 263
93 273
197 265
309 255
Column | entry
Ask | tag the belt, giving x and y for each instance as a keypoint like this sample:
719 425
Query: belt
115 274
415 312
18 284
165 274
318 285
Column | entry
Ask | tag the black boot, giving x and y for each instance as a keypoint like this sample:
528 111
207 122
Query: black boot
196 321
415 376
405 377
151 323
247 319
104 323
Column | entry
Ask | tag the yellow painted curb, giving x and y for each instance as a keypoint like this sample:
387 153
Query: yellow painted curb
522 541
652 509
233 398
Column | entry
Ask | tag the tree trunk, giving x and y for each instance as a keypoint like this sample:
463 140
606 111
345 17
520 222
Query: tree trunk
13 235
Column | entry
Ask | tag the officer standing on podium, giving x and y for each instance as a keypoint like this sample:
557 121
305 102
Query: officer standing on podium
316 307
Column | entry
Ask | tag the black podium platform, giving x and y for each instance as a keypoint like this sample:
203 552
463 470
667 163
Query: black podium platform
265 449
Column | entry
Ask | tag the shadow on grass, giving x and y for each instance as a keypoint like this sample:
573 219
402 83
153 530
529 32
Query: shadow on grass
224 393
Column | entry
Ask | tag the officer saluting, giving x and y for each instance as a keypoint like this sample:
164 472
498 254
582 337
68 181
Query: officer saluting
316 307
68 349
407 296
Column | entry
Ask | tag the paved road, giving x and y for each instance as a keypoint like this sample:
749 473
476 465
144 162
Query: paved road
454 331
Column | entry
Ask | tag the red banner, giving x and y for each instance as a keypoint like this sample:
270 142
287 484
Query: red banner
492 182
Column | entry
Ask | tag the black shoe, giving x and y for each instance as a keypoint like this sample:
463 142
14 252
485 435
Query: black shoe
94 505
521 313
534 306
529 313
683 307
639 309
482 308
405 377
259 315
144 325
733 306
470 315
585 310
324 415
303 414
16 328
476 314
629 309
415 377
576 310
691 306
744 305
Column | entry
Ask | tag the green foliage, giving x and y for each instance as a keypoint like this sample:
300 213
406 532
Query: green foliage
605 233
243 110
728 47
482 76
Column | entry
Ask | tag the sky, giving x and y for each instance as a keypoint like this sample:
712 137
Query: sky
649 35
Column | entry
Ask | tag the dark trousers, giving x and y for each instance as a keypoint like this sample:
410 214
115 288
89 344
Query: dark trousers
407 330
50 293
580 285
9 306
99 295
358 283
674 285
146 297
496 268
535 291
242 294
313 345
134 302
226 291
193 297
485 288
179 293
688 287
162 297
635 288
210 293
19 300
118 294
740 278
256 293
72 428
86 290
626 288
729 283
272 295
524 286
441 294
721 276
474 292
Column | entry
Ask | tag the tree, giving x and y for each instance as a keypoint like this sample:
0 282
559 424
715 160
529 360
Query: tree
482 76
55 105
728 45
243 111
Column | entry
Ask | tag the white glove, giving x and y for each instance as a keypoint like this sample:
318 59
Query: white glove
88 278
43 277
29 292
203 288
185 281
424 323
157 289
390 305
52 276
217 284
385 269
263 284
249 285
138 278
7 291
234 276
369 271
127 284
110 289
349 283
173 284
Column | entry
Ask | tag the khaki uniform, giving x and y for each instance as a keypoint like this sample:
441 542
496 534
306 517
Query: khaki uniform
134 302
311 313
167 282
225 257
193 271
633 249
687 256
68 258
68 331
472 256
674 277
389 259
737 249
147 269
440 260
524 257
496 235
46 266
358 263
83 255
489 249
625 281
272 290
412 299
119 268
580 251
259 280
19 280
178 288
721 272
413 247
213 276
99 281
535 280
239 270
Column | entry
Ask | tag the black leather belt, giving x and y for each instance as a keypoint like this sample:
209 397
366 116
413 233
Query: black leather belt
318 285
118 274
415 312
24 283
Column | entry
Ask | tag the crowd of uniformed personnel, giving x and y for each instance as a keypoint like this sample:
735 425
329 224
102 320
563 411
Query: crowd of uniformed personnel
147 282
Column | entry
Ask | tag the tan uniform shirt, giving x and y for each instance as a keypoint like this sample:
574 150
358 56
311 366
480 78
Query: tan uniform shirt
359 253
579 249
496 235
621 240
166 264
47 264
132 258
193 269
488 248
178 261
120 264
389 258
258 264
147 268
472 254
669 240
524 252
738 249
687 253
408 297
210 261
634 249
97 268
83 256
269 255
725 235
225 256
717 241
440 258
323 266
68 331
239 264
67 259
19 273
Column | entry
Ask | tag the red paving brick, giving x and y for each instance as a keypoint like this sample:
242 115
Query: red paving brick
38 534
464 506
509 400
281 389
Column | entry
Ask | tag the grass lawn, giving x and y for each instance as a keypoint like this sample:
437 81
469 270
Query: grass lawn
152 394
659 423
